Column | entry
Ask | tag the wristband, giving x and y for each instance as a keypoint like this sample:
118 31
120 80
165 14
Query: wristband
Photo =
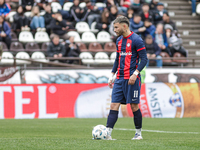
135 73
112 78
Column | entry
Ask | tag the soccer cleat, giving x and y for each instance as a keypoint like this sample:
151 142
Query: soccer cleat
137 137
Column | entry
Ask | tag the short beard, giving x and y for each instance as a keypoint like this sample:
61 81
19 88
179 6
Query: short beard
121 32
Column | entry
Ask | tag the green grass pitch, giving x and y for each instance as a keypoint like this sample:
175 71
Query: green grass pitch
76 134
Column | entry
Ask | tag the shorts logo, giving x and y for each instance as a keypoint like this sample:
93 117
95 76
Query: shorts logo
128 44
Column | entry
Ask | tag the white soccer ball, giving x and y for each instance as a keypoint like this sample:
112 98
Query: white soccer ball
99 132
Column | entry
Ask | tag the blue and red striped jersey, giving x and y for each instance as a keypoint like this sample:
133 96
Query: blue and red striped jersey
130 50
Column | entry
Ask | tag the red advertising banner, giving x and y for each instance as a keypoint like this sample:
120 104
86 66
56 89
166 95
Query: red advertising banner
40 100
163 100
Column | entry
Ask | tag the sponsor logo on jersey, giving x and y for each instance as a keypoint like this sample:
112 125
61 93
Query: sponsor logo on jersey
125 53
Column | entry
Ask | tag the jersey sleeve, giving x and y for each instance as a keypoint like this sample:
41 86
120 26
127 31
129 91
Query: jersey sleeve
141 50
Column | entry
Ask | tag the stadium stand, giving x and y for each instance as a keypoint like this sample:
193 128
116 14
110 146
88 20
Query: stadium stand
103 37
87 58
39 56
82 27
32 47
26 36
91 40
5 48
16 47
88 37
7 58
76 36
22 55
82 46
95 47
101 58
67 6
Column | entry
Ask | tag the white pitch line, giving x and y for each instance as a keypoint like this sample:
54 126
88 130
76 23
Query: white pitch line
158 131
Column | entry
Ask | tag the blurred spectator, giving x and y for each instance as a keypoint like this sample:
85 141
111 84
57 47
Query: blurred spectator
43 3
124 5
37 21
174 41
48 17
27 4
72 49
20 20
136 25
153 51
160 38
113 13
193 7
153 5
110 3
103 23
146 13
4 8
78 13
136 6
158 14
150 28
59 27
111 28
94 13
5 32
167 20
56 49
130 13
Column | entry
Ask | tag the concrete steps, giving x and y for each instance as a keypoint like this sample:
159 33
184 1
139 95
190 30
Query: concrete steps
188 26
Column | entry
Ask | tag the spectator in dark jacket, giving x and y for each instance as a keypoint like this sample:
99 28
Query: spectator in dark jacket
55 48
136 6
146 13
158 14
103 23
20 20
4 8
153 51
72 49
160 38
153 5
27 4
150 28
130 13
5 32
78 13
136 25
167 20
59 27
174 40
48 17
113 13
94 13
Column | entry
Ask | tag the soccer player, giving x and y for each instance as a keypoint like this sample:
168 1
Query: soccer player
126 89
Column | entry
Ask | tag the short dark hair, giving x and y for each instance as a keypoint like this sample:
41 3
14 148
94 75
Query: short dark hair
137 15
121 19
148 37
166 13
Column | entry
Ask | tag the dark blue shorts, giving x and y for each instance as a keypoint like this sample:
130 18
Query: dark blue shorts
124 93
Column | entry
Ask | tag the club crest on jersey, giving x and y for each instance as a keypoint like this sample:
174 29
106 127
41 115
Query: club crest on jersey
128 44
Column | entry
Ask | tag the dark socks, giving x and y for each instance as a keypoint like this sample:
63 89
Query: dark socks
112 118
137 119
